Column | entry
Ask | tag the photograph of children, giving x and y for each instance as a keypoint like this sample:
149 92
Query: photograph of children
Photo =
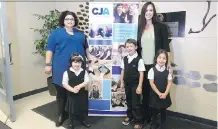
126 13
115 85
95 89
100 31
118 101
101 52
118 98
100 69
119 52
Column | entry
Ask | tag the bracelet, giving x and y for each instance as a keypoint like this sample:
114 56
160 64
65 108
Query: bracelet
48 64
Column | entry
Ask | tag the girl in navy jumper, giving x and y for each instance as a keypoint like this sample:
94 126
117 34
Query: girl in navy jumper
160 81
75 79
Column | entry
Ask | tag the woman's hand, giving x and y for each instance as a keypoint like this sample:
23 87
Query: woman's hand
48 69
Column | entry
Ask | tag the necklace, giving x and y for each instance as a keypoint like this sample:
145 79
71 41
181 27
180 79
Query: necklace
69 32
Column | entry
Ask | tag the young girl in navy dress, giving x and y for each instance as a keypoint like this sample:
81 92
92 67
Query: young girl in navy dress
160 81
75 79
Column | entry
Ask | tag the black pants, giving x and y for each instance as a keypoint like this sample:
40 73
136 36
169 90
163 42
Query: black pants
61 99
133 102
162 113
146 89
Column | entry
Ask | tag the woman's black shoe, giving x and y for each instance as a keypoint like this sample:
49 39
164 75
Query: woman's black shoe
60 120
86 124
71 126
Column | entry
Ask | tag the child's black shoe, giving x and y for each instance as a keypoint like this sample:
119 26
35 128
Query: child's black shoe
127 121
138 126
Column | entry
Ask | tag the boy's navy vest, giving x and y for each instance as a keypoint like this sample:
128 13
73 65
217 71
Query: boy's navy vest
131 73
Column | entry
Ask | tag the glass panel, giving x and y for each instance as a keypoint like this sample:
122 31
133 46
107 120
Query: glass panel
2 56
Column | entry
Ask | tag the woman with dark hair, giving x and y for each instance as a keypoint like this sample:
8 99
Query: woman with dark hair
152 36
62 42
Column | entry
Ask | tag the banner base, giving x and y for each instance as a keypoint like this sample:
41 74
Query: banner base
106 113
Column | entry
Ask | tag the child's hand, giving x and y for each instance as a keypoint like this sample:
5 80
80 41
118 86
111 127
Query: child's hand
138 90
163 96
160 95
121 85
74 90
77 88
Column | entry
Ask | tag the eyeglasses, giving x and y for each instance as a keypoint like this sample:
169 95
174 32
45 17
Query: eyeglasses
68 19
75 54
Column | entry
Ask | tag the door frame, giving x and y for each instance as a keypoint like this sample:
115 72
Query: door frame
7 95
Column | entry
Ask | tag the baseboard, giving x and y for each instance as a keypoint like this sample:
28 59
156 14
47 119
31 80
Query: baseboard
169 113
29 93
192 118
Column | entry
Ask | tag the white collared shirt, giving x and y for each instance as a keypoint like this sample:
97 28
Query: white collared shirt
141 66
161 69
66 78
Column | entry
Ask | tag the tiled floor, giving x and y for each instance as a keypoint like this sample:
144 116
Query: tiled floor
28 119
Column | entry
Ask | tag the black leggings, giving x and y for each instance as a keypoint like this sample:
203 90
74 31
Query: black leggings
146 89
61 99
162 113
73 117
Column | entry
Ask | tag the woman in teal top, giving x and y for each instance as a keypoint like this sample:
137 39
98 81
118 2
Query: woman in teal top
62 42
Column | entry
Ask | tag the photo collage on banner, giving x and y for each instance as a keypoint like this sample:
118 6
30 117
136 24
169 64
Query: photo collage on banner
110 25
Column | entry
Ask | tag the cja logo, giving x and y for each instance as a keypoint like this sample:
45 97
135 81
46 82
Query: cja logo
100 11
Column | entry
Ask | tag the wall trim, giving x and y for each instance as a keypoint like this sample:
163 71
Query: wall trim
192 118
29 93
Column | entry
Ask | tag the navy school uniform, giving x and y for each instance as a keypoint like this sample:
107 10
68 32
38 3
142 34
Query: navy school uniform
132 65
160 75
161 78
77 103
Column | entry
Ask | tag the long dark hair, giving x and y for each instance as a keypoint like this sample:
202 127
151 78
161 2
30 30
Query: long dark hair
142 20
161 51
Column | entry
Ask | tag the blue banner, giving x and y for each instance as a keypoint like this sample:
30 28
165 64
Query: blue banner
111 24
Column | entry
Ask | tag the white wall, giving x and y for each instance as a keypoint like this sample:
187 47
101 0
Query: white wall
28 69
195 52
71 6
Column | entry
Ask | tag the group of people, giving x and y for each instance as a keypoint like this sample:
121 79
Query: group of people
126 13
101 52
96 32
145 70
